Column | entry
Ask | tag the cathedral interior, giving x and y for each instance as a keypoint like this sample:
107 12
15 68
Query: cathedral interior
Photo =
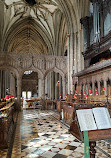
55 59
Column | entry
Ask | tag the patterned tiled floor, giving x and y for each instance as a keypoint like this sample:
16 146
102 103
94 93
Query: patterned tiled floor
39 134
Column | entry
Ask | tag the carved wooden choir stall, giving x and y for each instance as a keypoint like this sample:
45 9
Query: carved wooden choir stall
6 123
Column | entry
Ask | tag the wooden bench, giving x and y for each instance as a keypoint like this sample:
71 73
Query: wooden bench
49 104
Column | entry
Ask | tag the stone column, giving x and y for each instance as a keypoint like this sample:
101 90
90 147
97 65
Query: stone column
6 88
56 86
64 88
88 87
39 87
79 52
82 50
99 90
93 88
105 86
52 85
75 54
70 59
19 86
12 84
46 85
43 92
50 76
43 88
60 82
3 83
83 88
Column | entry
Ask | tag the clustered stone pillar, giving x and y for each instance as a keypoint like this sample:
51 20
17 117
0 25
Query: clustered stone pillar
70 62
55 85
50 79
64 88
19 86
4 83
12 84
83 88
99 91
46 85
105 86
93 90
43 92
39 87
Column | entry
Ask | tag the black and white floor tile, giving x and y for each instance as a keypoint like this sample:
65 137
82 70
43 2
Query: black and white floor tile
40 134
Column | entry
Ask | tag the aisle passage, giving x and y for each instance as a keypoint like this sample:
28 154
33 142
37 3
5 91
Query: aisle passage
39 134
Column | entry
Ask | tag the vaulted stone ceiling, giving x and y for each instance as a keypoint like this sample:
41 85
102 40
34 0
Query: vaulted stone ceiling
40 26
31 26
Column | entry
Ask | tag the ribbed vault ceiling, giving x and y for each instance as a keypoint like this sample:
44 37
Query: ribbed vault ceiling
40 26
27 38
29 28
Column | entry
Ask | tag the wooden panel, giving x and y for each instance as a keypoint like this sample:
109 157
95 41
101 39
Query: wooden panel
74 129
49 104
68 112
5 124
99 134
59 106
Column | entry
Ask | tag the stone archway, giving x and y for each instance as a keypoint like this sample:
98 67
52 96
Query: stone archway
60 82
9 76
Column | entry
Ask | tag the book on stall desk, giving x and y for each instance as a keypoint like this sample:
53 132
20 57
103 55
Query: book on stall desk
93 119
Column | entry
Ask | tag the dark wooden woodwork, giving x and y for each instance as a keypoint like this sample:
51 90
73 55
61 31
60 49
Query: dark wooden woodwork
93 135
6 123
68 114
49 104
99 134
75 130
99 47
67 109
69 98
92 150
58 106
2 104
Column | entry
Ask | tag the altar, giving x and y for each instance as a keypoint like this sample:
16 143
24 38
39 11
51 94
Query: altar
32 103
